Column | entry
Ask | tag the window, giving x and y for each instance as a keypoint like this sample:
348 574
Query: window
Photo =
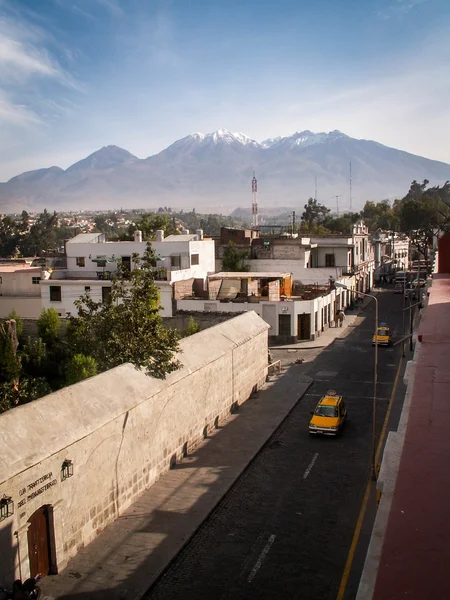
126 262
329 260
55 293
175 261
87 288
80 261
35 280
100 263
106 294
194 259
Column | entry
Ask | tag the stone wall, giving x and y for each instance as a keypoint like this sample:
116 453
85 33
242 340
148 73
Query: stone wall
122 430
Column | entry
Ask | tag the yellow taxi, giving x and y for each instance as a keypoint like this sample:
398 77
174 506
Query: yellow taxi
382 337
329 416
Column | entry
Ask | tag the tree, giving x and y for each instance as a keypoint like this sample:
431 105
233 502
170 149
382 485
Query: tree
80 367
192 327
380 215
19 322
233 259
9 361
49 325
423 213
127 328
149 225
314 214
8 236
42 235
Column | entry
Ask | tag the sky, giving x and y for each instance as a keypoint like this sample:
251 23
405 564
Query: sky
76 75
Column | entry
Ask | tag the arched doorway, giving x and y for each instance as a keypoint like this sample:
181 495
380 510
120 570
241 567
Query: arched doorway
39 542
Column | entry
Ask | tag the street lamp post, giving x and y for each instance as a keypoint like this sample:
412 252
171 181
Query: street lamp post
375 380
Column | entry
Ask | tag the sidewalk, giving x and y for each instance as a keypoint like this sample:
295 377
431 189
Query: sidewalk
124 560
330 334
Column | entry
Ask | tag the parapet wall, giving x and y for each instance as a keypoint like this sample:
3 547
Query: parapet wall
121 430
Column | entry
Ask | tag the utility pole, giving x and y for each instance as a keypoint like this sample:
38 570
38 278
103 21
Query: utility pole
254 201
351 200
337 202
315 189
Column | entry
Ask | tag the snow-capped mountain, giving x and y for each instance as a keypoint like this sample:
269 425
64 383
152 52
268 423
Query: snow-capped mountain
213 171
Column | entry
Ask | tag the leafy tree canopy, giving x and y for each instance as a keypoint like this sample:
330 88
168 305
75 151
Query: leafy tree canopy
127 328
49 325
314 214
233 259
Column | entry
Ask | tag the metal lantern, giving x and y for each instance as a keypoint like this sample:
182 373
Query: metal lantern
6 507
66 469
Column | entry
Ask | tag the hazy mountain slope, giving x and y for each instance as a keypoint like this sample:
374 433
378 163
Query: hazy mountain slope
214 171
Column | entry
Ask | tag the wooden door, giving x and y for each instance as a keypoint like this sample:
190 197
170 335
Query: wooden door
303 327
38 542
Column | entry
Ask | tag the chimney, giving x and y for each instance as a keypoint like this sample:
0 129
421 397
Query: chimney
199 233
138 236
185 231
159 235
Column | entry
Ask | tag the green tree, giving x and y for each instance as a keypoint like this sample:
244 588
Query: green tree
80 367
192 327
129 327
423 213
19 321
8 236
49 325
10 367
42 235
314 214
150 223
34 357
380 215
233 259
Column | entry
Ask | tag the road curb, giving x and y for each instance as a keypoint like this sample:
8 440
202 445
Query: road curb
305 381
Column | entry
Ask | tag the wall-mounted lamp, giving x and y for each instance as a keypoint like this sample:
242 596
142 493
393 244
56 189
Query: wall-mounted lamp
90 256
6 507
66 469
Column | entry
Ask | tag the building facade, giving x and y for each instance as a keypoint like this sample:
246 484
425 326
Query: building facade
91 262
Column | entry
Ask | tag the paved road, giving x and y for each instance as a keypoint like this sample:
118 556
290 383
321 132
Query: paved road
285 528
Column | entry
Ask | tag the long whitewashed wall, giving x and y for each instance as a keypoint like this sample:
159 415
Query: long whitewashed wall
122 430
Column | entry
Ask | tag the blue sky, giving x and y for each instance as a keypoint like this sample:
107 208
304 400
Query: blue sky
76 75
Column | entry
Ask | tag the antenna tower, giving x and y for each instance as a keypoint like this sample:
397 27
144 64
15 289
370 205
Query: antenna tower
254 201
351 202
337 202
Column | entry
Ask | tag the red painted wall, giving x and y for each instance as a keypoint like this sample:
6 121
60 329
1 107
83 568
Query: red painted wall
444 254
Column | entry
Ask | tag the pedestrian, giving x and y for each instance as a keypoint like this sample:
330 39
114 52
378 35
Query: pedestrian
341 317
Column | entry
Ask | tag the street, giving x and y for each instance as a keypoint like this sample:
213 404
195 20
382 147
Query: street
285 528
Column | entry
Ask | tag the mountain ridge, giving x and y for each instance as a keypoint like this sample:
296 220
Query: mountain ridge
215 170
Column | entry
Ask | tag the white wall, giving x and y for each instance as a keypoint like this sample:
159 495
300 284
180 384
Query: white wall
19 282
342 256
27 308
121 429
204 248
72 290
269 311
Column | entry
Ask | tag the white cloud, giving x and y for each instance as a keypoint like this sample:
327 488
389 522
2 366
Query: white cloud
400 8
15 114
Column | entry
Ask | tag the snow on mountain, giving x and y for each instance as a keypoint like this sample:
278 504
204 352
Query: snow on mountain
214 171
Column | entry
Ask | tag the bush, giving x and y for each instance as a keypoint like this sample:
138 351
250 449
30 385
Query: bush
80 367
49 325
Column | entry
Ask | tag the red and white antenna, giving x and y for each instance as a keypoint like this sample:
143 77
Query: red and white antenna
254 201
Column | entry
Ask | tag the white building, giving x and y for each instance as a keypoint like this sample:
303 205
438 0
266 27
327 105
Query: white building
91 261
19 289
291 317
352 253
